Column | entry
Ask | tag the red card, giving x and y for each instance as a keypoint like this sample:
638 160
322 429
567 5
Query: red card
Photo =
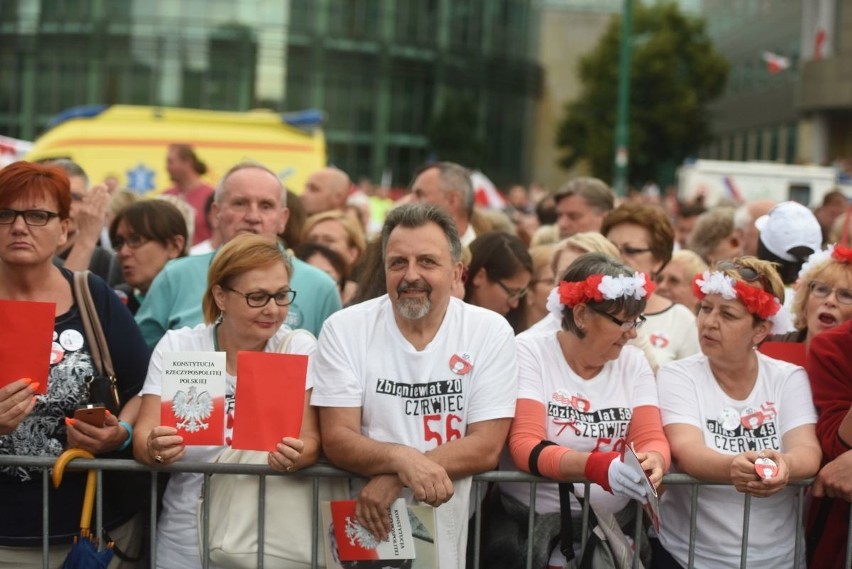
349 548
269 399
26 338
355 543
793 352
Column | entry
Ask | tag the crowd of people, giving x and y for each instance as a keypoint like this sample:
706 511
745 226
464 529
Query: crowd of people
447 340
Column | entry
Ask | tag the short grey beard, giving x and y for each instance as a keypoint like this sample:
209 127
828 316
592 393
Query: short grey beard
412 308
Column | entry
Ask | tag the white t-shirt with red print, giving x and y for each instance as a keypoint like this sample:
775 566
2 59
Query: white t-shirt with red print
177 530
582 414
780 401
422 399
672 333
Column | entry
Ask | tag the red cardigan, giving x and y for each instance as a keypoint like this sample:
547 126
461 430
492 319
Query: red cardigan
830 371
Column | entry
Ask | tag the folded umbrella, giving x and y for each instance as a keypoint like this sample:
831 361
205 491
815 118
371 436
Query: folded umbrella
84 553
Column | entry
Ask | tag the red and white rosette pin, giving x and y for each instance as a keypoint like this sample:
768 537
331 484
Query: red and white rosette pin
766 468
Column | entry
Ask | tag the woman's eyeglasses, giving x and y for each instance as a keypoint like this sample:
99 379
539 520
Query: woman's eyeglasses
259 299
133 241
513 293
625 325
822 290
628 251
33 217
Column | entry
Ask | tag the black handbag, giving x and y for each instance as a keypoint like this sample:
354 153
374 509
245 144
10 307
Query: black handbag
101 388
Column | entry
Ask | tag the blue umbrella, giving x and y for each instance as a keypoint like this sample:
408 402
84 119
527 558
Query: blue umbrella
84 553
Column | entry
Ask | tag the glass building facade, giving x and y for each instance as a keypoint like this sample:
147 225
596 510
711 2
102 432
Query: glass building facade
756 118
380 69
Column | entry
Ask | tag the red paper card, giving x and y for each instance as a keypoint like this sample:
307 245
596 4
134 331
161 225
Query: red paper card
269 399
26 340
793 352
355 543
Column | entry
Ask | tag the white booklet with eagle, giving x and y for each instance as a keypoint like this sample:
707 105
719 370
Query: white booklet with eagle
193 396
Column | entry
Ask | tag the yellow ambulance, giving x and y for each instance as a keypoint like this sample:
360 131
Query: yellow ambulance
129 143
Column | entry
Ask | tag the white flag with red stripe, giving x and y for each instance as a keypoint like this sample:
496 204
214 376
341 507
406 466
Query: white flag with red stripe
487 194
12 149
775 63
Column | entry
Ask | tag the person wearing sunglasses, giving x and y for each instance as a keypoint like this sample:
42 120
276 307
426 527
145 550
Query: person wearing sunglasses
145 236
644 237
584 390
823 297
724 410
35 208
498 275
245 305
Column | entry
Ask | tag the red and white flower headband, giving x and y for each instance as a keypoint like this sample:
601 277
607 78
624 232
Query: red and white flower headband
757 301
597 288
838 253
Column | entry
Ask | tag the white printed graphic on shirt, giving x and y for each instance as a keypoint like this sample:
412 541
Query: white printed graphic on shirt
608 426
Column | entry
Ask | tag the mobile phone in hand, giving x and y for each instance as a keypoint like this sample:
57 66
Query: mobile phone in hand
94 415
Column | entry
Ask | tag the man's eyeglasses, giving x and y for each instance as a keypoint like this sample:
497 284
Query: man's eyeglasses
512 293
133 241
34 217
822 290
259 299
748 274
625 325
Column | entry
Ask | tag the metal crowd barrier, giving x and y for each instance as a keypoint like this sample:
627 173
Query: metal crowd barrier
323 471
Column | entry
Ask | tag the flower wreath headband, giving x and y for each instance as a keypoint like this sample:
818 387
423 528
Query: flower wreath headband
597 288
839 253
757 301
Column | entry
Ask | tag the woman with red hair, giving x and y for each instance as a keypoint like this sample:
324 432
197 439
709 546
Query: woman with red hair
34 207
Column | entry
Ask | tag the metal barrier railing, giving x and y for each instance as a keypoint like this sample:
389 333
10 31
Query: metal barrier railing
320 471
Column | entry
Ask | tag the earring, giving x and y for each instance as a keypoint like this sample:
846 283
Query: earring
219 319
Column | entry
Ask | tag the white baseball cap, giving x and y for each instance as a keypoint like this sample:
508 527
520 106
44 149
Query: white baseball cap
787 226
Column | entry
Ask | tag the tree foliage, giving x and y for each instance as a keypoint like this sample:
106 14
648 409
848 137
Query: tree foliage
674 73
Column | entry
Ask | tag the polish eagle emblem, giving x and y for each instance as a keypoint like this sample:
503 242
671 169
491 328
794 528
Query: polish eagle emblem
192 409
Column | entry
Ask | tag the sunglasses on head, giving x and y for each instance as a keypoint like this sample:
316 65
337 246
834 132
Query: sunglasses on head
748 274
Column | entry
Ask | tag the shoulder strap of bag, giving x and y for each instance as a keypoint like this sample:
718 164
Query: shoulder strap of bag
92 324
284 346
566 533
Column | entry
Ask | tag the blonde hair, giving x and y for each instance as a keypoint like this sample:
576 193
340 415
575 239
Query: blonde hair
583 242
354 232
829 270
544 235
121 199
541 255
691 260
238 256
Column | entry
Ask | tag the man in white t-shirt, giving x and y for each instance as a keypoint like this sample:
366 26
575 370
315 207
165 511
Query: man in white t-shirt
416 389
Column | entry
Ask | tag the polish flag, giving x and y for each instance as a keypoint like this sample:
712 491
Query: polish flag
775 63
820 38
12 149
486 193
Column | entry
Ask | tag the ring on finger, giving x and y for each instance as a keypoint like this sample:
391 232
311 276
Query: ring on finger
158 459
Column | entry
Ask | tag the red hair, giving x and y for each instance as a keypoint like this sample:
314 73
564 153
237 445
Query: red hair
26 179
